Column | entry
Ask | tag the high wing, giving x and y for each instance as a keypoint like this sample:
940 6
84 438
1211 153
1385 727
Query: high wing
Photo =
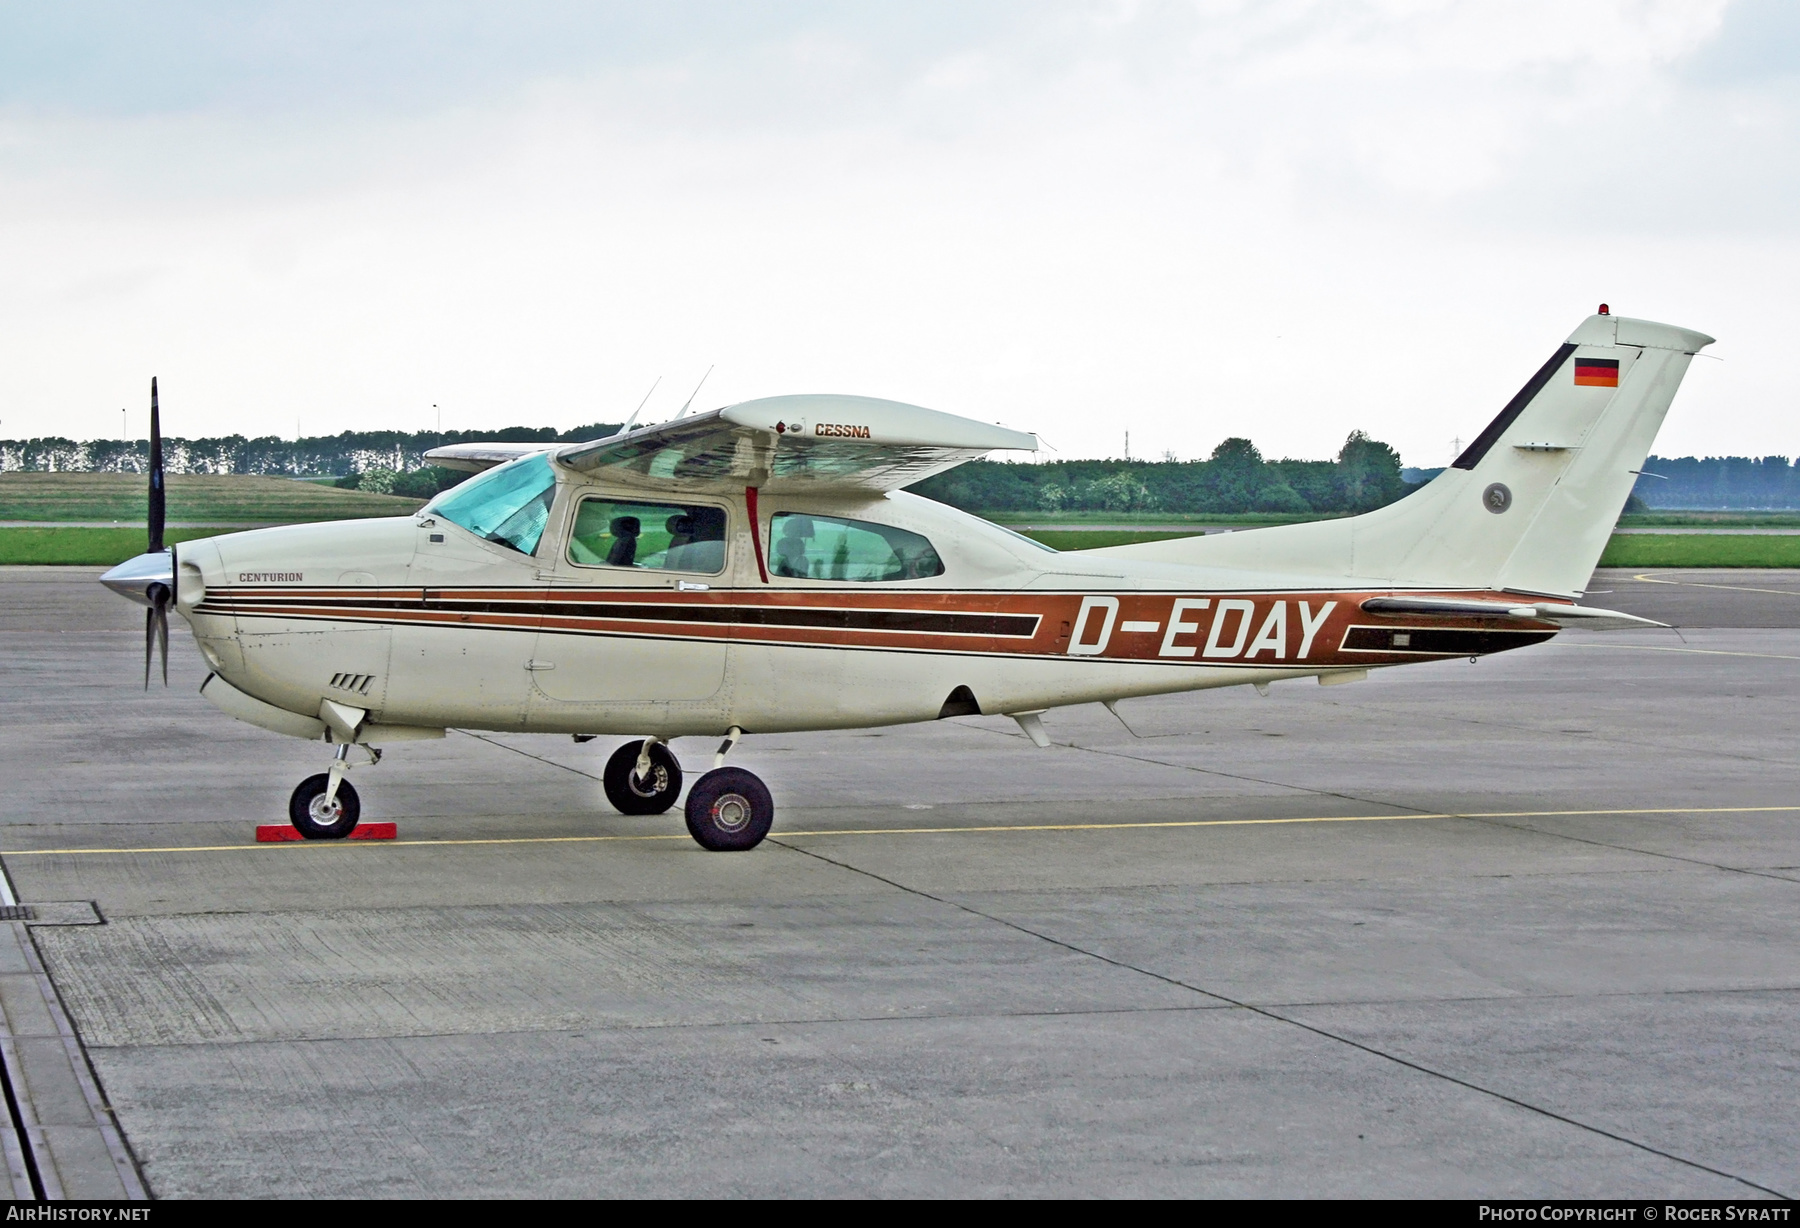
476 457
1560 613
780 444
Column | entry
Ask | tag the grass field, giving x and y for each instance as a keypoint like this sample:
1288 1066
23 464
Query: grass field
212 498
1013 520
93 547
1625 550
1711 520
1095 539
1642 520
1701 550
252 500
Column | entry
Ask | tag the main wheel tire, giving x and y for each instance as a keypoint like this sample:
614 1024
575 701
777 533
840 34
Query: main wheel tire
314 819
653 795
729 810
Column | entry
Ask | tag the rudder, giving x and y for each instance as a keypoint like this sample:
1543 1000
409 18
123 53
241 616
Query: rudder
1529 506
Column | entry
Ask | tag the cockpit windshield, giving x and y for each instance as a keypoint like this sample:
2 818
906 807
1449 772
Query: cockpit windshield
508 504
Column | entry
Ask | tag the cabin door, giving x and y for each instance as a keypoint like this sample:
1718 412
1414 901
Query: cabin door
634 613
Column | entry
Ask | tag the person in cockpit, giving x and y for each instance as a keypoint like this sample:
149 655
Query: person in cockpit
624 530
790 551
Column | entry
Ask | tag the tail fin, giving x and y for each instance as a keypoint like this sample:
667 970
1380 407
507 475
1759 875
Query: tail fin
1528 507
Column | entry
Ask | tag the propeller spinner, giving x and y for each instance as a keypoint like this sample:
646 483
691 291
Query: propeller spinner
149 579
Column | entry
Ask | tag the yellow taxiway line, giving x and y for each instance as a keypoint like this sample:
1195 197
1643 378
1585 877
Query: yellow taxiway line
1698 652
912 831
1735 588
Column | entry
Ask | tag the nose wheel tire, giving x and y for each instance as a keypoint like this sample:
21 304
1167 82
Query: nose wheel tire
652 794
317 819
729 810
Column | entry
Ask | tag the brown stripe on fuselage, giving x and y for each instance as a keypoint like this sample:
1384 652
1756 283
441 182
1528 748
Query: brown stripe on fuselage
1240 629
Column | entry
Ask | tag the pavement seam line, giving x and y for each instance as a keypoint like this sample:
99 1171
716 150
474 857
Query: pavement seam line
1291 1022
1490 818
823 1021
1496 821
1590 735
1204 771
515 750
798 1021
974 829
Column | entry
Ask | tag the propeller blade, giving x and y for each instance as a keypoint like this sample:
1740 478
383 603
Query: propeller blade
156 477
156 631
161 609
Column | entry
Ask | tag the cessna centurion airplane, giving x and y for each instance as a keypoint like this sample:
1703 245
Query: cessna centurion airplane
758 569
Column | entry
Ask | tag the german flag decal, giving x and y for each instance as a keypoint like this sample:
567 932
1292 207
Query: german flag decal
1597 372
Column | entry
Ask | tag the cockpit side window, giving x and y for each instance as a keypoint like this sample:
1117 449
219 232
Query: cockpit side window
828 548
508 504
665 537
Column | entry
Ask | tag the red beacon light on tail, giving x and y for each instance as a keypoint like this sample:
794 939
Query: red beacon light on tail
1605 310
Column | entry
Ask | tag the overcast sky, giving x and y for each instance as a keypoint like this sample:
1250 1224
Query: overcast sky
1187 220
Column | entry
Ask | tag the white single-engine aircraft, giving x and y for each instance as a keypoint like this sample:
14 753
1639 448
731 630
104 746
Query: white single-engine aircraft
758 569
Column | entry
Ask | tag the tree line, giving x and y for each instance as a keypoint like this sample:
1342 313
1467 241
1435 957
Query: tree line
350 453
1704 484
1720 483
1235 478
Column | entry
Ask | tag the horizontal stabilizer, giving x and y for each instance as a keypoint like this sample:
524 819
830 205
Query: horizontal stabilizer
1563 615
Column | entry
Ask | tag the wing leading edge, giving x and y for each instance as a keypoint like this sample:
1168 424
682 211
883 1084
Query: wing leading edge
476 457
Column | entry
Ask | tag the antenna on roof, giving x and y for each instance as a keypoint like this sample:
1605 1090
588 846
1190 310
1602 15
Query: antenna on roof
640 409
695 392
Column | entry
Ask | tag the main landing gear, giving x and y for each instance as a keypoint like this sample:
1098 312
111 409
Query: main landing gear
728 809
642 778
325 807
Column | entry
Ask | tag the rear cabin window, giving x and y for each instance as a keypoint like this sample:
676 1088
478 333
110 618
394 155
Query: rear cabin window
826 548
508 504
660 536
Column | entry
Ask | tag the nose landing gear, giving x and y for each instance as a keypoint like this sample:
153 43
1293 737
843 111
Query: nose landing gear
318 817
326 807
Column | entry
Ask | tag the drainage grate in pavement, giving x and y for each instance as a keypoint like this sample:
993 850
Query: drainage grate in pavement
64 912
58 912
